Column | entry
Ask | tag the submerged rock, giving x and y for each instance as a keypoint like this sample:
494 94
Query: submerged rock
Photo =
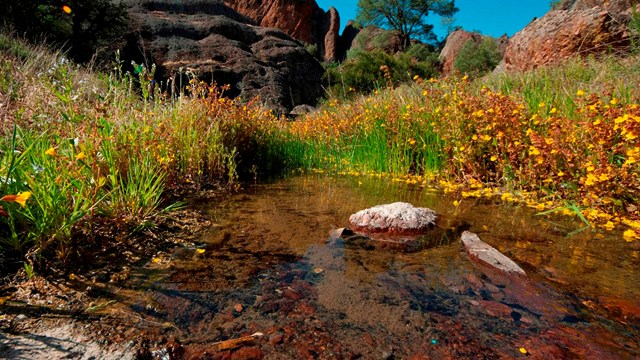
488 255
396 219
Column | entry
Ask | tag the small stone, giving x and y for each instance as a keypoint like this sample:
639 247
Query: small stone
318 270
238 308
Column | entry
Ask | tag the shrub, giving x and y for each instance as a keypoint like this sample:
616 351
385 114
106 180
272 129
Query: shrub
478 59
362 71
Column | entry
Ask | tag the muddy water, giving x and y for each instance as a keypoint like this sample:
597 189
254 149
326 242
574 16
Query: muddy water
269 267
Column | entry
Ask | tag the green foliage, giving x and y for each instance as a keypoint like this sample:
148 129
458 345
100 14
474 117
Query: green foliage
89 26
558 85
136 195
478 59
362 71
408 17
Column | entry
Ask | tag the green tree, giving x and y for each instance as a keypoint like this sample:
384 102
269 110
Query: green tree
408 17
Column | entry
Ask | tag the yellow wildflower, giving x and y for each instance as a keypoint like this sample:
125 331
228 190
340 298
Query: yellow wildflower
609 225
630 235
80 156
21 198
580 93
50 151
533 150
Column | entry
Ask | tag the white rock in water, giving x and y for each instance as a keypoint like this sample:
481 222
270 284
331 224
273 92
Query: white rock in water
488 254
399 217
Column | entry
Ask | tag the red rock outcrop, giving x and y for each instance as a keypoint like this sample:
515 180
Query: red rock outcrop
332 37
303 20
456 40
577 27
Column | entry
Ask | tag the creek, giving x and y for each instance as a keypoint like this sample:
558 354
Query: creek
267 265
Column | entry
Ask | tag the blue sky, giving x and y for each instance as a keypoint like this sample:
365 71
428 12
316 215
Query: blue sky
490 17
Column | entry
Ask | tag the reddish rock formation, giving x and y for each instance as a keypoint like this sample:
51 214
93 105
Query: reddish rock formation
455 42
578 27
303 20
332 37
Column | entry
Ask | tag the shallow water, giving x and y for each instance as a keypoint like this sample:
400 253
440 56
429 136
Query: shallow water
269 266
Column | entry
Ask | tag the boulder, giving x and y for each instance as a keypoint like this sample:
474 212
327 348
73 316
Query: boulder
302 110
488 255
456 40
303 20
374 38
577 27
216 44
396 219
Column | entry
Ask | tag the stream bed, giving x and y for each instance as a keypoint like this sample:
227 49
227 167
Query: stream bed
267 281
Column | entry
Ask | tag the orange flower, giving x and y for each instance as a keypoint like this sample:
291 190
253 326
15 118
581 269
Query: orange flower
21 198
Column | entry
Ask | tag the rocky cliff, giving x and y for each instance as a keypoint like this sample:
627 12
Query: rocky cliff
303 20
220 45
576 27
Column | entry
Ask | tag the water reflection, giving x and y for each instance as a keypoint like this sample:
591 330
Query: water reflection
270 252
